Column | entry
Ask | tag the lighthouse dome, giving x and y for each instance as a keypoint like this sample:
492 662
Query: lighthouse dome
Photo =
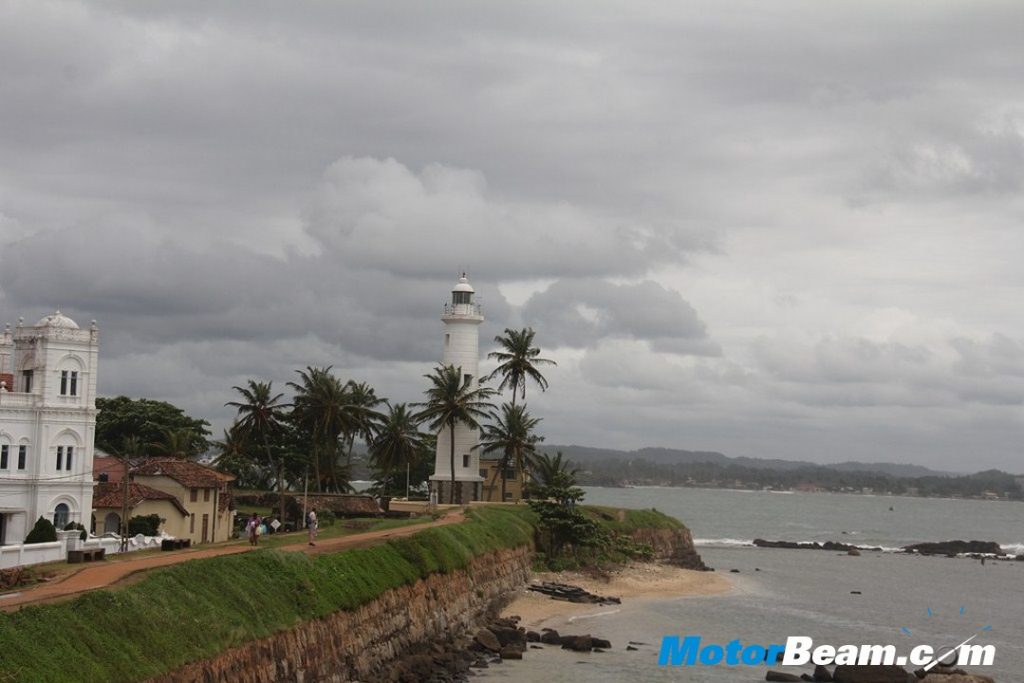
57 319
463 285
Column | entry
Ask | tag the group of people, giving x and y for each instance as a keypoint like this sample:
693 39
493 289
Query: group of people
256 528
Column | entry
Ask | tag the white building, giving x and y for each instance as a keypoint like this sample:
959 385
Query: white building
461 319
47 424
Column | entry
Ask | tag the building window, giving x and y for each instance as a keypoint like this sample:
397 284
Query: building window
22 456
69 383
60 458
26 381
206 495
193 495
460 298
192 523
483 473
3 456
510 473
60 516
447 340
67 462
465 460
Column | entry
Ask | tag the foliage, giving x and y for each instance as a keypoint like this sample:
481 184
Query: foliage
147 525
83 534
260 421
212 610
518 360
451 400
551 475
42 532
149 421
396 447
325 518
510 432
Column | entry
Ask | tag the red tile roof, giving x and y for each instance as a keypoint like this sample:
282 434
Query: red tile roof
109 465
185 472
109 495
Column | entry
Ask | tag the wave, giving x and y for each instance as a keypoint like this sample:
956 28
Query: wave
724 542
1013 548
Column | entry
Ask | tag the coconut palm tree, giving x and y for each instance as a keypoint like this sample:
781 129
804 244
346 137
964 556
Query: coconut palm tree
510 432
451 400
319 408
362 417
175 443
234 455
553 472
398 442
518 359
260 418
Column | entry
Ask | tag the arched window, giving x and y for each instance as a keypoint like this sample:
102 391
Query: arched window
112 522
61 515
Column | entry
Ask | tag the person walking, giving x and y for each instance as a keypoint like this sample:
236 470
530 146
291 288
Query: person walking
311 525
253 528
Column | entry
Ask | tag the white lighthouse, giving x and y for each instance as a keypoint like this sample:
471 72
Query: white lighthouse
461 318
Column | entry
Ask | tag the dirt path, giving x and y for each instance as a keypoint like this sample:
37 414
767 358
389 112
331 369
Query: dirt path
105 574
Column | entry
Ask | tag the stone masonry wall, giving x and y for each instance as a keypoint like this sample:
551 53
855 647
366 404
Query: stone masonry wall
359 645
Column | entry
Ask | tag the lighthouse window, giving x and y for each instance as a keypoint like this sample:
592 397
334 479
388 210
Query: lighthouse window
460 297
447 340
467 378
465 460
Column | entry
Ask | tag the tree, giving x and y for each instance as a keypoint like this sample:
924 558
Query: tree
260 416
327 411
235 455
362 418
510 432
551 475
397 443
175 443
518 360
147 420
42 532
451 400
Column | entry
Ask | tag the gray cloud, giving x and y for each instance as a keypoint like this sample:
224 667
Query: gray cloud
789 230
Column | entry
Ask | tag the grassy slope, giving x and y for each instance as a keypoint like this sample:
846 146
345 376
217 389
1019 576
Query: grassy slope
195 609
631 520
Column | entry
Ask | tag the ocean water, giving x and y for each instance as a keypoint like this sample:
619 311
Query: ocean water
779 593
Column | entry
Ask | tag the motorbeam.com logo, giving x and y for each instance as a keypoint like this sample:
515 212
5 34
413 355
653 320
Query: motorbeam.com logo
800 650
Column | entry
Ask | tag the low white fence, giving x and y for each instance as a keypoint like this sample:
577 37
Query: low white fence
57 551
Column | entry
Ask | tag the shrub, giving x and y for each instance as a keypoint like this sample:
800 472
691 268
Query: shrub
77 525
42 532
147 525
325 518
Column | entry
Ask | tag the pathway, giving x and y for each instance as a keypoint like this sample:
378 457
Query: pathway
105 574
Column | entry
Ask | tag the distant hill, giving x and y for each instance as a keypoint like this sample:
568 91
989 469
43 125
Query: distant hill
669 456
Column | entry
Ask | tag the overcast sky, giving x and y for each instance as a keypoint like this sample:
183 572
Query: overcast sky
778 229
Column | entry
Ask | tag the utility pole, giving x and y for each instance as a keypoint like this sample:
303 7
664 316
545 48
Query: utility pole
124 506
305 496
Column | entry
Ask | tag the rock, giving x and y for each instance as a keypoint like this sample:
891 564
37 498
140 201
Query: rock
806 677
853 552
632 649
487 639
511 652
822 674
856 593
578 643
507 635
933 677
851 673
734 571
536 647
780 676
532 637
955 548
597 649
551 637
602 643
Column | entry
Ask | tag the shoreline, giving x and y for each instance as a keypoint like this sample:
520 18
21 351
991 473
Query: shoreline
635 581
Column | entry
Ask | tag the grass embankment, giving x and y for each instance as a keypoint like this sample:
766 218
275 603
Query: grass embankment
624 521
196 609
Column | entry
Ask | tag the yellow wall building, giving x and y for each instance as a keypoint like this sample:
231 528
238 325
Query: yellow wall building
514 480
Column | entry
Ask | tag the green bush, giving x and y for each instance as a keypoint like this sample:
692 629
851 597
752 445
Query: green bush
42 532
76 525
325 518
147 525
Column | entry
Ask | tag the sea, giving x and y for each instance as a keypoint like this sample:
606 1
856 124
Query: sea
879 598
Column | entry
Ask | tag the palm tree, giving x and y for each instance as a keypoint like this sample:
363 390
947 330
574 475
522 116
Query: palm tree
553 472
397 443
233 456
511 433
175 443
362 418
319 407
260 419
451 399
518 358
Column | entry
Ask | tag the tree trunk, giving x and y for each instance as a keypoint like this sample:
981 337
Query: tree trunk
451 433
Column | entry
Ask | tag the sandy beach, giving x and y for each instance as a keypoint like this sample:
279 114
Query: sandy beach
632 582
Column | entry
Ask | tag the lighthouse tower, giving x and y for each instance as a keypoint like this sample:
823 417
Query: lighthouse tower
461 318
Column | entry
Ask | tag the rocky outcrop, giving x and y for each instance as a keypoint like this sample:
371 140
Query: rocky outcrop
369 643
674 546
827 545
956 548
872 674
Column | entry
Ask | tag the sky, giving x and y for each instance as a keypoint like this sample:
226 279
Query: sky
786 229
